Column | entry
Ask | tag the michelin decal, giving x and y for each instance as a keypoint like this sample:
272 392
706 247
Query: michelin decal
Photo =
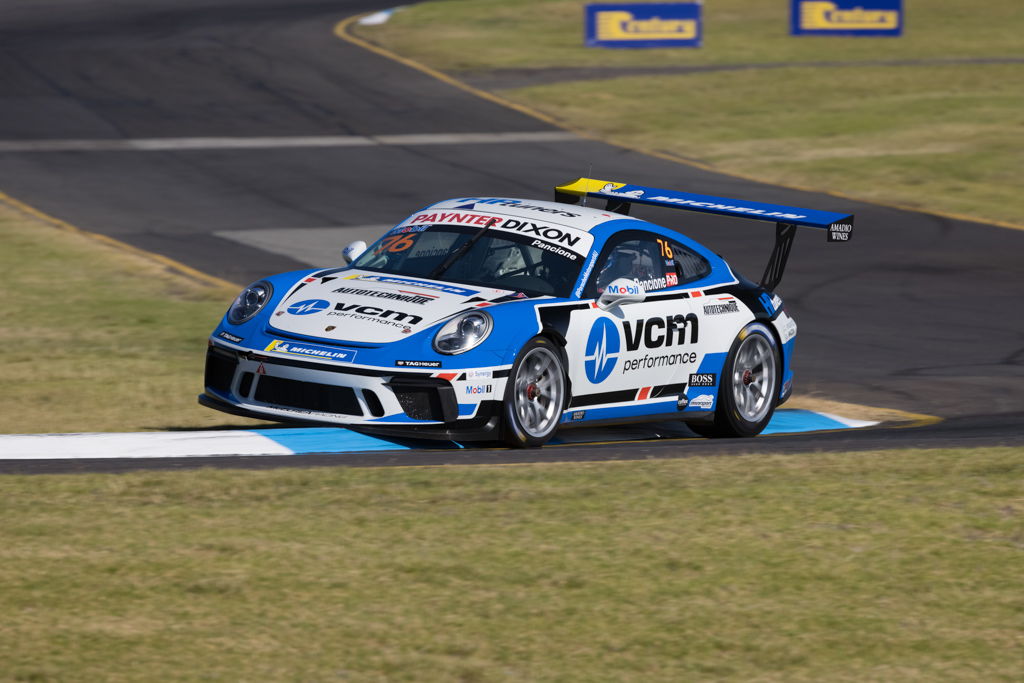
311 351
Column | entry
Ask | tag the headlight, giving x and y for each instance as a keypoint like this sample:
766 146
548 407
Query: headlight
250 301
463 332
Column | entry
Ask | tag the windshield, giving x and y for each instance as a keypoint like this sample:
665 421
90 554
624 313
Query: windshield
498 259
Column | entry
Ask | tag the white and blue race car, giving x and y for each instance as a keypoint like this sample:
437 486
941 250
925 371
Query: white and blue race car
491 318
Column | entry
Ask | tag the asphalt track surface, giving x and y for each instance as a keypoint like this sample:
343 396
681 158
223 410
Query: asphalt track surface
919 312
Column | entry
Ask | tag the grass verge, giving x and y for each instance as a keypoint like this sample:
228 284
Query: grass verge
942 137
867 566
932 138
96 339
478 35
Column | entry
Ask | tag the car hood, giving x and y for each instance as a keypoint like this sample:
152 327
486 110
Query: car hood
376 308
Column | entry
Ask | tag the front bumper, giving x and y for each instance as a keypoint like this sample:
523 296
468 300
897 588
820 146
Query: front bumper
378 400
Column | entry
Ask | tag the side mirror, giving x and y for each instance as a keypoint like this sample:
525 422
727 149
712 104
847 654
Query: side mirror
621 291
353 251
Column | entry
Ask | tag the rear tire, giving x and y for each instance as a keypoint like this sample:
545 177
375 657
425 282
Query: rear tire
749 390
535 395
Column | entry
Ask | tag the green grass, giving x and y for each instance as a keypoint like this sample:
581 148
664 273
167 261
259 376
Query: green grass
474 35
939 138
870 566
96 339
944 137
878 566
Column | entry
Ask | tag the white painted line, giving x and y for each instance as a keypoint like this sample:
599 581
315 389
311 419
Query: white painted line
850 422
476 138
378 18
297 441
186 144
140 445
168 144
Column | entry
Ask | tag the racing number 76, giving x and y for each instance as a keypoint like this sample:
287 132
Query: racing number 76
395 243
666 248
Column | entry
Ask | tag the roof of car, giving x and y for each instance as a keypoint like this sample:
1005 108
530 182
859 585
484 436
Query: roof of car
579 217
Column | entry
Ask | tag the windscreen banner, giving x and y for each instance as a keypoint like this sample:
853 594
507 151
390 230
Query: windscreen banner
631 25
846 17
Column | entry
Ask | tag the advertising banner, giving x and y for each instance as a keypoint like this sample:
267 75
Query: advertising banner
846 17
631 25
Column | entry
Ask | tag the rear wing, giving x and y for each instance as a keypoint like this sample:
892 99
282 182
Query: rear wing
838 226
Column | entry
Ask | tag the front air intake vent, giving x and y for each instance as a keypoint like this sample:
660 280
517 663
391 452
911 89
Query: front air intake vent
373 403
220 370
321 398
426 398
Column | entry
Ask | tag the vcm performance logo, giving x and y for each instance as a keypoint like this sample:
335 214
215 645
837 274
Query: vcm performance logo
309 306
675 24
602 351
846 17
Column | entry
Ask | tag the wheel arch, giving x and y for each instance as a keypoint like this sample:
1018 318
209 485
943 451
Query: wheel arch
561 345
516 434
769 323
783 361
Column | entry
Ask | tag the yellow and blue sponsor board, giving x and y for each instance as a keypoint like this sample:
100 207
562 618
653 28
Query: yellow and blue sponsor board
846 17
675 24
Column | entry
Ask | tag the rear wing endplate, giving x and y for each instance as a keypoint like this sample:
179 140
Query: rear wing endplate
619 196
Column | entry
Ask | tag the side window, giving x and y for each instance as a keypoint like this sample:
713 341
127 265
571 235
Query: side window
687 265
636 256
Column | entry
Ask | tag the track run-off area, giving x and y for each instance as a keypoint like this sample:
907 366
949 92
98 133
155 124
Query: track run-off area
248 138
326 440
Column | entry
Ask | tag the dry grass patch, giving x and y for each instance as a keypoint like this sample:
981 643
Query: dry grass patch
478 35
937 138
854 567
96 338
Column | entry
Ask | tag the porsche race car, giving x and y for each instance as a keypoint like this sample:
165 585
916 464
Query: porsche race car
489 318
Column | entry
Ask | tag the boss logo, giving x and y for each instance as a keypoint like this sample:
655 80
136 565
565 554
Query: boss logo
654 333
703 379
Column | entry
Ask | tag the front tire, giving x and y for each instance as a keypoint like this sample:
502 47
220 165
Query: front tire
535 395
749 390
